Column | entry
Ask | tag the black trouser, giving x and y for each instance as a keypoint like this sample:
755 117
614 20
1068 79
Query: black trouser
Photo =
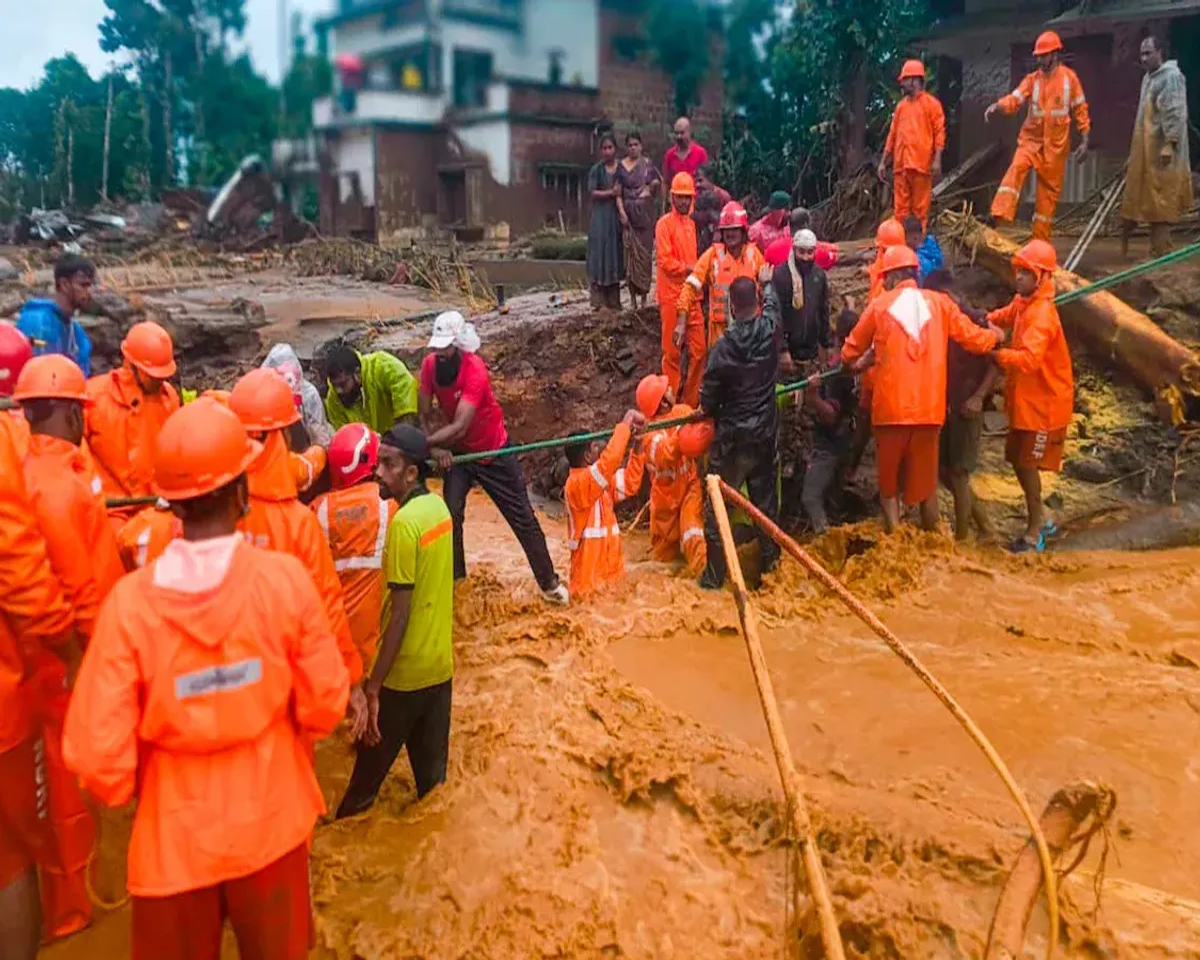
755 464
503 480
417 719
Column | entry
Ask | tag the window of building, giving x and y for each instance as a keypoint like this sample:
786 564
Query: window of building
472 74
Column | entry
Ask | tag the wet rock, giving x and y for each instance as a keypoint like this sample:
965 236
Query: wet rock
1088 469
7 270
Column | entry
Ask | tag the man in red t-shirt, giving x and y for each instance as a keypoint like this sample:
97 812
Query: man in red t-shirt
685 156
458 380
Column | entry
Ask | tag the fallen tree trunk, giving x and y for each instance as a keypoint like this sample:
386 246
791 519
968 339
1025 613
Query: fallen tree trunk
1102 323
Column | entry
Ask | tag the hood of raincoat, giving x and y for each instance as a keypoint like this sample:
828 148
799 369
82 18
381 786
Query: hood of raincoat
271 476
283 358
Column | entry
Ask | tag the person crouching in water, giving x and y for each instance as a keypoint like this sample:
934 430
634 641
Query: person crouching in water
596 482
1039 384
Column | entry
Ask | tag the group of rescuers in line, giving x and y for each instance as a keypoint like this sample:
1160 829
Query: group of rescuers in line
189 654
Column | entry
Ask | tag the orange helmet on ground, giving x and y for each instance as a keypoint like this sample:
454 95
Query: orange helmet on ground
148 347
1037 256
263 400
696 438
733 215
912 68
899 257
353 454
1048 42
15 352
202 447
682 185
650 393
51 377
890 233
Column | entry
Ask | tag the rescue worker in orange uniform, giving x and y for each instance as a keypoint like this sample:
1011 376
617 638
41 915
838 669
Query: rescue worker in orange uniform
15 352
1054 95
354 518
910 329
1039 384
128 409
676 497
146 535
83 554
675 248
594 485
732 257
914 145
210 672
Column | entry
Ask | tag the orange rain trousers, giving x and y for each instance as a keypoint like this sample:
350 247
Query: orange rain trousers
913 194
672 357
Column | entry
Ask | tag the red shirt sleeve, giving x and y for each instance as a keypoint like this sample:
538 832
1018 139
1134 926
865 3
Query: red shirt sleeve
426 378
474 384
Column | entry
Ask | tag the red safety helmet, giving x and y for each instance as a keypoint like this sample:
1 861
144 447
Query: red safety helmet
263 401
51 377
899 257
15 352
650 393
202 447
682 184
733 216
148 347
1048 42
696 438
353 454
890 234
912 68
1037 256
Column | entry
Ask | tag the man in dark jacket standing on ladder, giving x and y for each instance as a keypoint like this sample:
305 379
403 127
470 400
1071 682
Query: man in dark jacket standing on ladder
738 392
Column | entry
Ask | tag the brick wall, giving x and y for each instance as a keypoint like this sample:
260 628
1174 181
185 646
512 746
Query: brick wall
527 204
535 99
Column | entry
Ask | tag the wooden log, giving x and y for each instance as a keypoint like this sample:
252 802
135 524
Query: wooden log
1102 323
964 170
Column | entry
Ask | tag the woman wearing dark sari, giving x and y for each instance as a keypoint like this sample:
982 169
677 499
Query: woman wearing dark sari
640 185
605 256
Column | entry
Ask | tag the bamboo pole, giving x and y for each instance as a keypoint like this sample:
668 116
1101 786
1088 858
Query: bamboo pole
789 778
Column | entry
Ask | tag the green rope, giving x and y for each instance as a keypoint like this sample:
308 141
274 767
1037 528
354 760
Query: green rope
1167 260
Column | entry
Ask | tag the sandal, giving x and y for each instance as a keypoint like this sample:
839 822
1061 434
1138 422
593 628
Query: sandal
1021 545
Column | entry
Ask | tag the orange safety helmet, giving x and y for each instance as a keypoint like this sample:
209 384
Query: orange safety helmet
899 257
15 352
51 377
890 234
1037 256
353 454
263 400
148 347
682 185
696 438
733 215
1048 42
650 393
912 68
202 447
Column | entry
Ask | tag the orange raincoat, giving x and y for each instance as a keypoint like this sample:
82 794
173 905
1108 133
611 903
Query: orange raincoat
1039 384
308 466
1044 143
355 522
917 134
717 269
910 329
675 248
592 529
202 705
145 537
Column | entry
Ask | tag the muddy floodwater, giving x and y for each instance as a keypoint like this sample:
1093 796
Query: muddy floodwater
611 794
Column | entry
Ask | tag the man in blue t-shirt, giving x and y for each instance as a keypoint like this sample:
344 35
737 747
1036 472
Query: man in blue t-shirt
50 325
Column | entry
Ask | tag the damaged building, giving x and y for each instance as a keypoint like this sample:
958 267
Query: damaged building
471 114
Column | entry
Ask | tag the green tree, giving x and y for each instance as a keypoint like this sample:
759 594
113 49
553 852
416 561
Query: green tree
677 32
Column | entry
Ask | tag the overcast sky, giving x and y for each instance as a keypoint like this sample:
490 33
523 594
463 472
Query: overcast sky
33 31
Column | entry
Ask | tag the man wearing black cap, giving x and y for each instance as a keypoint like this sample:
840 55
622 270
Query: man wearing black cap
774 223
408 691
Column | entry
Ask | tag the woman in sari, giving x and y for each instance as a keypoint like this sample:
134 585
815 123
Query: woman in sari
641 184
605 257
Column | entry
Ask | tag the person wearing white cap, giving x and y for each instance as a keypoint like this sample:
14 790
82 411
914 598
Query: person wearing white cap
797 299
454 376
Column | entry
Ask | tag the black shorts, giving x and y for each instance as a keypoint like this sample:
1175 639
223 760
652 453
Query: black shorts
960 443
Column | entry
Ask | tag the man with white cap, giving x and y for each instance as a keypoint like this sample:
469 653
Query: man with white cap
454 375
797 300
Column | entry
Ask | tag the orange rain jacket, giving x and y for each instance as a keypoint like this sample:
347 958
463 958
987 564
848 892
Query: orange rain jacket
123 425
355 521
1039 384
279 521
594 535
675 247
145 537
910 329
676 497
717 269
203 707
1053 100
918 131
308 466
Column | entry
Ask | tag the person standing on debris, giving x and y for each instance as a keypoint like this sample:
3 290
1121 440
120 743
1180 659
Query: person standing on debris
914 145
283 358
1159 186
1054 95
50 325
738 392
685 156
1039 384
605 244
797 300
925 246
640 186
705 184
126 412
675 246
454 376
374 388
354 518
409 689
773 225
909 329
210 673
596 483
831 403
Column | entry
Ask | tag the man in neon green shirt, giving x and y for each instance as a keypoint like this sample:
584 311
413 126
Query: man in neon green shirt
374 388
408 691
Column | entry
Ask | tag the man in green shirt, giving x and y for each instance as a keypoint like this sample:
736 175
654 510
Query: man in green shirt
408 691
374 388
